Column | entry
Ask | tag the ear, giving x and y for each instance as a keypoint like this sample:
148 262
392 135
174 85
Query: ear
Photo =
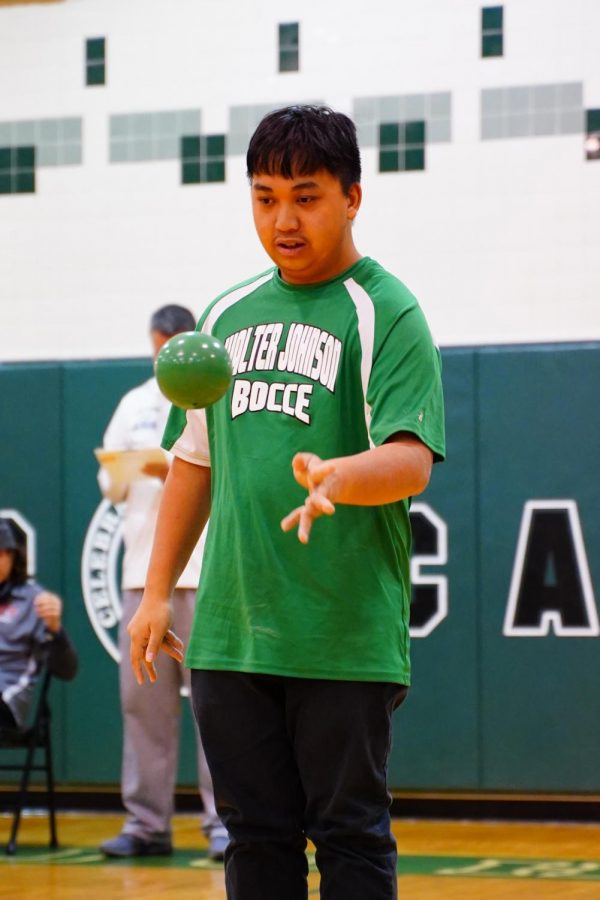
354 199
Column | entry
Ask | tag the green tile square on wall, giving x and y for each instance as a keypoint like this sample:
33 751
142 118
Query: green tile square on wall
95 49
25 183
215 145
288 61
492 17
492 45
190 173
25 157
389 161
388 133
288 34
5 184
215 171
95 74
190 147
414 159
592 120
5 158
414 132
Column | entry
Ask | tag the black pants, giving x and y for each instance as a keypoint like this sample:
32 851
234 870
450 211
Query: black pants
293 758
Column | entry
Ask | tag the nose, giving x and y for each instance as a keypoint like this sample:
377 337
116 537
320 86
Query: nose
287 218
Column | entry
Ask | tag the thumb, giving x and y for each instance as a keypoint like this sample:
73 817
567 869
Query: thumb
300 462
319 471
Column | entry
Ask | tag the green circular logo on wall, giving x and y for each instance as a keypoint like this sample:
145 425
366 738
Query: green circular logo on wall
100 574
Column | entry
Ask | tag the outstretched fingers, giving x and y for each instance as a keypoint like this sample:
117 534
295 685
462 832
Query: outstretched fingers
152 648
172 645
137 650
314 506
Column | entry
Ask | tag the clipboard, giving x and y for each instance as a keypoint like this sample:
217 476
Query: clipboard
128 465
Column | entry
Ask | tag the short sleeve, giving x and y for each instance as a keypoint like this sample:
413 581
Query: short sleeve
405 386
186 435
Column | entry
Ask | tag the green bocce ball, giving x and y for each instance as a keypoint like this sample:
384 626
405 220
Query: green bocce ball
193 369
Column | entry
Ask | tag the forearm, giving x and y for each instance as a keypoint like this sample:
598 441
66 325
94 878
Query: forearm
62 659
183 513
398 469
393 471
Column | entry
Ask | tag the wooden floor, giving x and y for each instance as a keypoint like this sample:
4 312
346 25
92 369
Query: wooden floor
460 860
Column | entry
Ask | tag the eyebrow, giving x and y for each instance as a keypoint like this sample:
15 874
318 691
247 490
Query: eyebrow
302 186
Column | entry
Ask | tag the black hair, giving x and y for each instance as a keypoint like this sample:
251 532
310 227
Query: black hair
18 573
13 540
172 319
300 140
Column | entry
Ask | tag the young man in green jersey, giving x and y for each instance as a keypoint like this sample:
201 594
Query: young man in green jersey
300 648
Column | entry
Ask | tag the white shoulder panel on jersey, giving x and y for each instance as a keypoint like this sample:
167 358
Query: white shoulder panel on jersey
230 299
192 443
365 312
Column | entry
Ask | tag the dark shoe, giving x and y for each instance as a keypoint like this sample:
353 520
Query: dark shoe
131 845
217 847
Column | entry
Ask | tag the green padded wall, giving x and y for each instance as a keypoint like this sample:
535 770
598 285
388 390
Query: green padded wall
539 438
487 710
437 729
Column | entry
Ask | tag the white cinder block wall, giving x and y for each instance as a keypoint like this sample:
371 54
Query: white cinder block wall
498 238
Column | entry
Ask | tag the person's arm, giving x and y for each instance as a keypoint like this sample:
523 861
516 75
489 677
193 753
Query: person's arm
182 515
399 468
157 470
61 658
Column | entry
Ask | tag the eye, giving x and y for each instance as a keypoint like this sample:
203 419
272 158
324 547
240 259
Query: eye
265 201
305 199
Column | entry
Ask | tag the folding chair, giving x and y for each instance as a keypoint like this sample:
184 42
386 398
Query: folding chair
35 736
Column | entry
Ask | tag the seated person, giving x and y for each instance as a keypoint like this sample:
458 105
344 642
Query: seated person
31 633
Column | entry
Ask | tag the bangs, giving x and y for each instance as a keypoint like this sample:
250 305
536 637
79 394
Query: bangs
290 161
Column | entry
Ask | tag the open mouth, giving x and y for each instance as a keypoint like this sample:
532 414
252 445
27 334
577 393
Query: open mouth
290 246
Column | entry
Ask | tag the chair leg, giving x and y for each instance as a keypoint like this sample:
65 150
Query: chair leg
50 789
11 847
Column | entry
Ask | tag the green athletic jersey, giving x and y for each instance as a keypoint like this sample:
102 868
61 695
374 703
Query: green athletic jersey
331 368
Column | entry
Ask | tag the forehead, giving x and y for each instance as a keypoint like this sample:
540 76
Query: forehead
299 181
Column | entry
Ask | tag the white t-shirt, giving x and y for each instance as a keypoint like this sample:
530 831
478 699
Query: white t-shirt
138 423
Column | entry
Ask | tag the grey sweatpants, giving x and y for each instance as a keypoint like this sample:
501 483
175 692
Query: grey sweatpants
151 726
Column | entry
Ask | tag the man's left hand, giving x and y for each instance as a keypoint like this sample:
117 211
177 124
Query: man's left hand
317 476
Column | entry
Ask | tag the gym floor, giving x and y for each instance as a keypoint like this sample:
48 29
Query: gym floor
464 860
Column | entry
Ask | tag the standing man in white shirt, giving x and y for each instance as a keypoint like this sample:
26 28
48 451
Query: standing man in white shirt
151 720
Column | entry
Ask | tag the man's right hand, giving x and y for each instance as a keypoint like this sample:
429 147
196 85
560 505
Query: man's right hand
150 632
